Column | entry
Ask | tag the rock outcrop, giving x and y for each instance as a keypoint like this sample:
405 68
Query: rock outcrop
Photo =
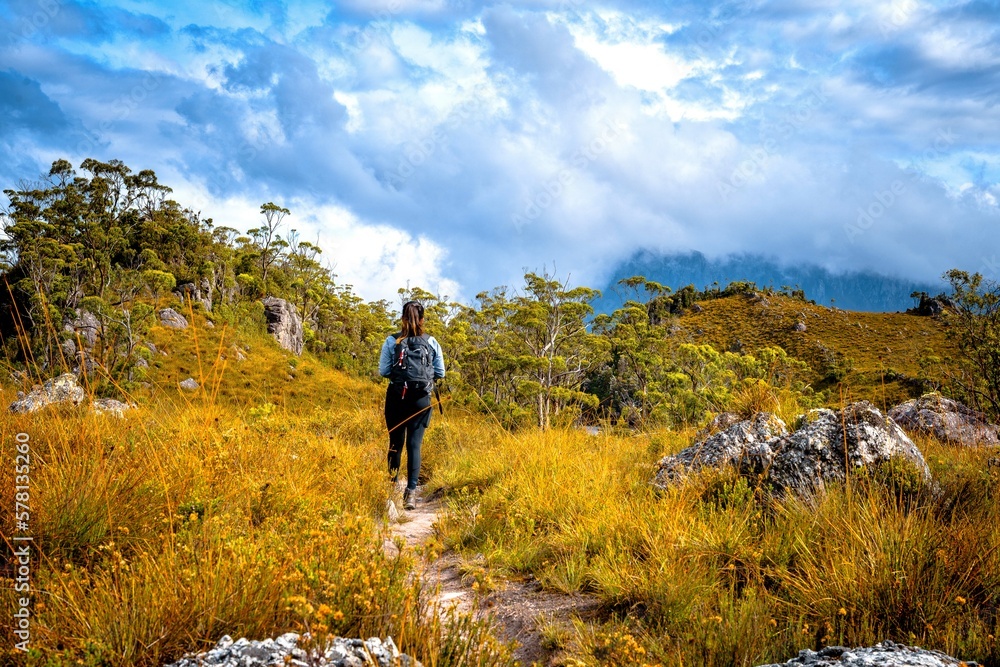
815 453
720 422
284 650
740 445
172 319
885 653
62 389
110 406
284 323
84 326
946 420
200 292
804 461
931 306
800 327
189 384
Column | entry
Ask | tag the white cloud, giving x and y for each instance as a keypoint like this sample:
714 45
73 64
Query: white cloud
378 259
628 50
959 48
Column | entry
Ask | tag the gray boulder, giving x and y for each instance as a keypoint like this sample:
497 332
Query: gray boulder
720 422
62 389
200 292
887 654
804 461
189 384
284 323
205 286
284 650
740 445
110 406
172 319
800 326
84 326
815 454
947 420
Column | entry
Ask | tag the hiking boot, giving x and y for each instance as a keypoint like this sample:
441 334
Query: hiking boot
410 499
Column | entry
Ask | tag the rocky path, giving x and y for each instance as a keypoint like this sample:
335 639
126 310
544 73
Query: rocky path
516 608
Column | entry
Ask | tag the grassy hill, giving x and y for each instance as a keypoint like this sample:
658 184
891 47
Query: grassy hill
256 505
881 357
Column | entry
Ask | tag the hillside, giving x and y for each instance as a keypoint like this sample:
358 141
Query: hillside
865 291
251 506
881 357
256 505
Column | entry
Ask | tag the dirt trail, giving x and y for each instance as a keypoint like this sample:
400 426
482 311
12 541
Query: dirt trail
516 608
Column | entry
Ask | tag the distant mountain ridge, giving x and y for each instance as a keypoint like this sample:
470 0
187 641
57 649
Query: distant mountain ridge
859 290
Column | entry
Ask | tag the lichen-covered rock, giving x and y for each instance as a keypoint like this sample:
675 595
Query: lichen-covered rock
284 323
189 384
110 406
804 461
86 326
815 454
947 420
172 319
738 445
62 389
720 422
206 293
284 650
888 654
200 292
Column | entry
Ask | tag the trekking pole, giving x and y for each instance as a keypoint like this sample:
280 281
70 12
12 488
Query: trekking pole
437 392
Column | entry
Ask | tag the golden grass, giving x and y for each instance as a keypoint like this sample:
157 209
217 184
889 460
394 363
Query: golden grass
713 573
250 507
254 506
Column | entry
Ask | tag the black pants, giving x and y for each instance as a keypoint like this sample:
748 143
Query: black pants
406 417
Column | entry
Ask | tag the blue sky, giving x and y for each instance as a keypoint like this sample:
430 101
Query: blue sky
453 144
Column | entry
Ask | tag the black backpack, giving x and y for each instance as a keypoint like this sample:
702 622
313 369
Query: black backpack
413 363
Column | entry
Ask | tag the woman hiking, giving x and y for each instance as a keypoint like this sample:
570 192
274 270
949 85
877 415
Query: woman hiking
413 361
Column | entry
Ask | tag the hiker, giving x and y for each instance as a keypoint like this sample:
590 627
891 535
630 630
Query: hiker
413 361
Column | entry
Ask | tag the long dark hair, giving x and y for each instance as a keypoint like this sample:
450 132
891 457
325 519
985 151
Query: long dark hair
413 314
